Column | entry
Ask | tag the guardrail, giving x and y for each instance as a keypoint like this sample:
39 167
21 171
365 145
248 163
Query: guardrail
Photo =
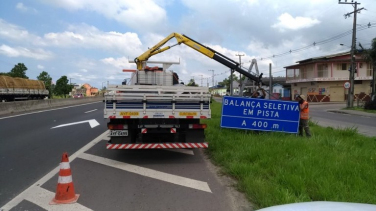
32 105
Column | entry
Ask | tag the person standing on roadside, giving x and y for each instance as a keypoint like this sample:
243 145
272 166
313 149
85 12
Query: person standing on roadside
257 94
304 116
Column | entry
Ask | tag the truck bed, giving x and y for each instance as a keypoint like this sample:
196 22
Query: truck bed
157 102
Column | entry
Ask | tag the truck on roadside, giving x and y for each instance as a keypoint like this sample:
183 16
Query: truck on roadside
155 111
13 88
152 110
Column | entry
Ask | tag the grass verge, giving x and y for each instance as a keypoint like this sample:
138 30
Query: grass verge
278 168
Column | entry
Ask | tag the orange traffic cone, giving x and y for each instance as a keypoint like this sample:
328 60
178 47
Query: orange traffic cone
65 189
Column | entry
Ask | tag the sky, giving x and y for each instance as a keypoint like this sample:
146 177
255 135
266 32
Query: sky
92 41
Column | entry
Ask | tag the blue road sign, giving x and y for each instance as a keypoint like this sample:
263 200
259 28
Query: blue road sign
260 114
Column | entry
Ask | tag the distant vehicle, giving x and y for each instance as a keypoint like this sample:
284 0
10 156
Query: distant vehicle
322 206
12 88
78 96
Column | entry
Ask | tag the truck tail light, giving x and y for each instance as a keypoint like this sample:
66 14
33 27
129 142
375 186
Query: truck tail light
117 126
197 126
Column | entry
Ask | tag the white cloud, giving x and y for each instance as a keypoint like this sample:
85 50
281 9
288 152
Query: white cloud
139 14
87 77
96 51
35 53
246 2
84 36
286 21
21 7
15 33
99 71
41 67
120 63
77 36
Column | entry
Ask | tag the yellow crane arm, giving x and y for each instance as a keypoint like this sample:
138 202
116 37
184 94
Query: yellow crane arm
156 49
196 46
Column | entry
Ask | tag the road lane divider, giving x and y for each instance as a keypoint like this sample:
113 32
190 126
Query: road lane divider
90 111
42 197
35 112
30 190
170 178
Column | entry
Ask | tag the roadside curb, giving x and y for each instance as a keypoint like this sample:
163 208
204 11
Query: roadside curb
16 107
359 113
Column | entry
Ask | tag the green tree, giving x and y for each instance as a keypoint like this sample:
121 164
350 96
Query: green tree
226 81
19 70
62 87
47 80
370 56
192 83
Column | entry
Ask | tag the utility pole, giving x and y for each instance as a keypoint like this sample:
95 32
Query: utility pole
201 79
212 77
231 79
270 81
70 81
350 95
207 82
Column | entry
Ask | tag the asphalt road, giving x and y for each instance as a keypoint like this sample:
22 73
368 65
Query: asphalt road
31 150
322 114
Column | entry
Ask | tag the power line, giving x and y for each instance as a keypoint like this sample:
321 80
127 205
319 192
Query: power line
346 33
212 77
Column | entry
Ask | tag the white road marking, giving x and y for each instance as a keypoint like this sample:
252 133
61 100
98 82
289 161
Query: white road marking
42 198
93 123
184 151
52 173
90 111
177 180
7 117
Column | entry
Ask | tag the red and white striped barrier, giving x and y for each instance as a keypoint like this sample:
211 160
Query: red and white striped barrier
158 146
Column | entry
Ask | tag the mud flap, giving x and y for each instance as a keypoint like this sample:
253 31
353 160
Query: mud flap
195 136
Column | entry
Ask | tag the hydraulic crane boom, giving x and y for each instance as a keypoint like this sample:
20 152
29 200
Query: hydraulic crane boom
211 53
